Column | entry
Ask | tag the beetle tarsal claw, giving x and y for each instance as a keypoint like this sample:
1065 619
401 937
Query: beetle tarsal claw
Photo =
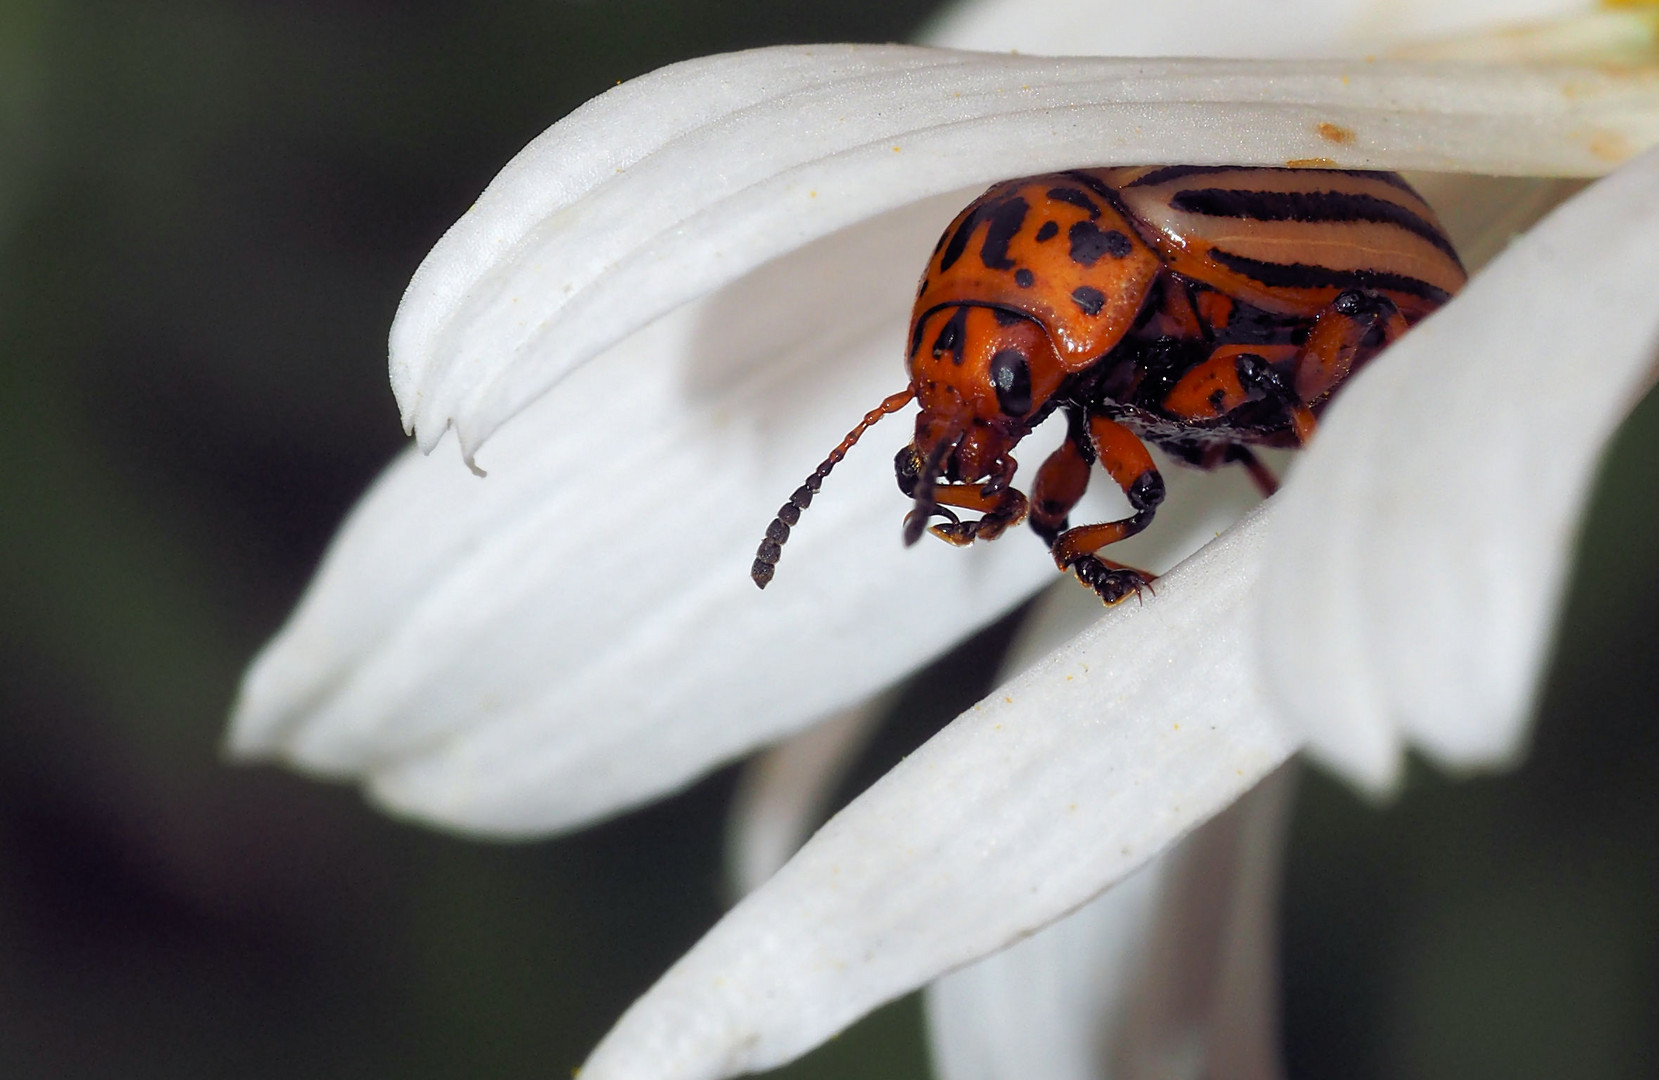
916 523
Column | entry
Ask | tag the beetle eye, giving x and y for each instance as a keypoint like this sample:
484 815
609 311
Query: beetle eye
1011 376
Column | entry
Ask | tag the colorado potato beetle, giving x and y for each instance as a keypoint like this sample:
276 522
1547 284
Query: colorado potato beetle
1207 309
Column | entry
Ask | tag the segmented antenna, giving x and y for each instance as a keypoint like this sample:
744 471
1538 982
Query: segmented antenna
771 548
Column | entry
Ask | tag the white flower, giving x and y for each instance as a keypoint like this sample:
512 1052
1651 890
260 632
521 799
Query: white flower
663 312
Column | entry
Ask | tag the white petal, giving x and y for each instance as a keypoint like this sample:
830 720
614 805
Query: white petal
1042 1006
784 792
1172 972
1046 1006
1224 27
1419 560
1060 784
577 633
1206 1003
632 220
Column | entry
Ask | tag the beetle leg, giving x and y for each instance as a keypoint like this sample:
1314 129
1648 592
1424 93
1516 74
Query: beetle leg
999 503
1175 315
1000 509
1356 325
1222 383
1127 462
1256 373
1266 482
1061 481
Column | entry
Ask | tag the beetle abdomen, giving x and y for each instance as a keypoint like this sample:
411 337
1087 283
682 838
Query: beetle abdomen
1290 240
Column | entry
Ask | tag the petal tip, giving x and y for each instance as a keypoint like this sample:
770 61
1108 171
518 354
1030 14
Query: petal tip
1375 771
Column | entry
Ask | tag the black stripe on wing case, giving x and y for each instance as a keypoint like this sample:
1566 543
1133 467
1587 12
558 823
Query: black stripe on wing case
1176 172
1309 207
1303 276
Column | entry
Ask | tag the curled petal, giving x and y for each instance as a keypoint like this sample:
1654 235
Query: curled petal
1060 784
1423 544
577 633
612 217
1224 27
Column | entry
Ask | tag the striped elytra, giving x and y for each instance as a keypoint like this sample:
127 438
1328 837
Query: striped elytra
1288 239
1205 309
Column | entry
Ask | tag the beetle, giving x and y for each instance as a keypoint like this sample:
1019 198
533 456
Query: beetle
1205 309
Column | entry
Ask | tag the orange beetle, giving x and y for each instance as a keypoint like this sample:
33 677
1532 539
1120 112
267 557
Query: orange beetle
1204 308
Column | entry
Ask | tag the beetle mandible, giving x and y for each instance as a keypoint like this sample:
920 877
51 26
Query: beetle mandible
1206 309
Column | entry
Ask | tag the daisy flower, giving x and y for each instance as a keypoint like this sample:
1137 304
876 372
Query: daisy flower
662 312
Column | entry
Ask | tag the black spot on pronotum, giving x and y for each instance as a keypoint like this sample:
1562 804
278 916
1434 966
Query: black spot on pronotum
1090 299
1089 242
1002 217
1005 225
1024 278
1011 376
951 335
1004 317
1075 198
1047 232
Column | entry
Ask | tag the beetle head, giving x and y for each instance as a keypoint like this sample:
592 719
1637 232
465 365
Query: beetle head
981 376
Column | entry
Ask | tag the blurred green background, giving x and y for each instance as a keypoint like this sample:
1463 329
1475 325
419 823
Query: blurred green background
208 212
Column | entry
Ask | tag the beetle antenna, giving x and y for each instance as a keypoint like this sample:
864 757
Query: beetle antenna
771 548
915 522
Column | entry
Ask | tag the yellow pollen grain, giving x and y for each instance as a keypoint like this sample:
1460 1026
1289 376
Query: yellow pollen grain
1609 146
1310 163
1336 133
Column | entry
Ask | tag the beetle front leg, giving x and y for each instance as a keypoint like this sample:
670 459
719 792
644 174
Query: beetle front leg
998 502
1127 462
999 510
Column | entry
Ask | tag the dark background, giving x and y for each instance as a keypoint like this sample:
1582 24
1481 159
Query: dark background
208 212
